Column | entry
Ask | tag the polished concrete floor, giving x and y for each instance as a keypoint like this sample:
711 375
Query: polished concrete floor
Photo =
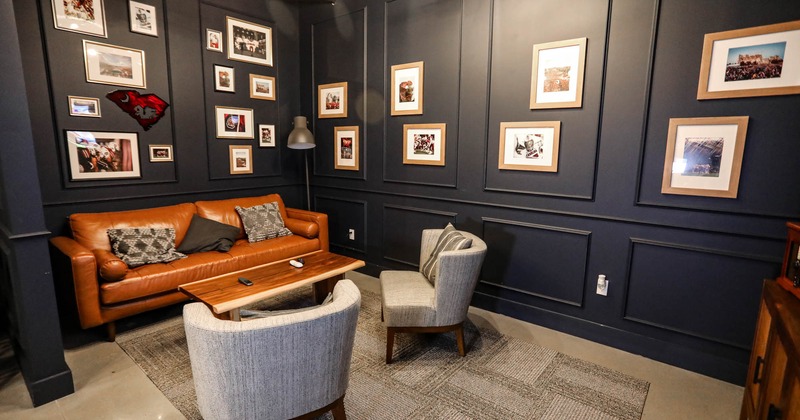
108 385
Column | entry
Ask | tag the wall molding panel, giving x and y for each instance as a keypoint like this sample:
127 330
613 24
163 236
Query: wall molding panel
402 226
344 214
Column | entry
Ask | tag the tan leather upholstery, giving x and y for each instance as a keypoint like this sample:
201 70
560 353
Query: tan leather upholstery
111 267
224 211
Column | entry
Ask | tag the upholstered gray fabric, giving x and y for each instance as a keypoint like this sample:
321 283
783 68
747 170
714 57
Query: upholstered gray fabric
276 367
407 302
449 240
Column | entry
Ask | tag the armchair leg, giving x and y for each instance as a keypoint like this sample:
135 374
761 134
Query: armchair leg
460 339
111 330
389 344
338 410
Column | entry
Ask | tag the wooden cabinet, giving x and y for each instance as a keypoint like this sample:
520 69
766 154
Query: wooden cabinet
772 390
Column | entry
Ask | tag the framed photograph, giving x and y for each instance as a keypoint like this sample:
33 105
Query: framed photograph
80 106
407 88
160 153
557 74
262 87
266 135
241 158
704 156
223 79
86 17
213 40
143 18
529 146
345 148
234 123
423 144
249 42
102 155
759 61
112 65
332 100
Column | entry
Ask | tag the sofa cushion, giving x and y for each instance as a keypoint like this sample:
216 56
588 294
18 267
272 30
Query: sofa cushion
449 240
224 211
139 246
262 222
208 235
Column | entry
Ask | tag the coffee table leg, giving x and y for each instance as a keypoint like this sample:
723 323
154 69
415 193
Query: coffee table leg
323 287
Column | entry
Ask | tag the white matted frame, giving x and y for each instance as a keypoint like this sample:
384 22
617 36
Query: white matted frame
224 79
424 144
332 100
557 74
241 159
233 123
262 87
160 153
266 135
529 146
345 148
704 156
758 61
213 40
407 88
88 18
112 65
143 18
81 106
98 155
249 42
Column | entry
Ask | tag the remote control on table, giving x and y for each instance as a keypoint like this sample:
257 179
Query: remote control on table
296 263
245 282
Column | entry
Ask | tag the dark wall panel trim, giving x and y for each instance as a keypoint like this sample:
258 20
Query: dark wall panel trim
364 226
543 194
525 292
451 215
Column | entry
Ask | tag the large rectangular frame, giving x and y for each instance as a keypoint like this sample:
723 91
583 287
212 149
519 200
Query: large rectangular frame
222 122
414 132
95 67
698 171
80 21
410 78
344 159
99 155
236 52
547 87
714 65
537 151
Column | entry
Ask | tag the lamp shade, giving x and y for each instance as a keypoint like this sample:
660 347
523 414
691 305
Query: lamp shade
301 137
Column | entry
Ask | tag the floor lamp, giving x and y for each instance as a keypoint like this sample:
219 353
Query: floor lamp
301 138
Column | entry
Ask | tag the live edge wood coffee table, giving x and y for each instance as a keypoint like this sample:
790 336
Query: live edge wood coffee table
224 294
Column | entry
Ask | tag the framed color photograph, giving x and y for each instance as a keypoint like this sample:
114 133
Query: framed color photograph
529 146
143 18
345 148
160 153
423 144
557 74
213 40
266 135
407 88
249 42
86 17
262 87
80 106
223 79
241 158
332 100
113 65
759 61
96 155
704 156
234 123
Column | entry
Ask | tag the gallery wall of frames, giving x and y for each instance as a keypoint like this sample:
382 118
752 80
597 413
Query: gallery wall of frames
650 141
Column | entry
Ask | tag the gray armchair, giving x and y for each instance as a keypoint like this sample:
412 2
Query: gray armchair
410 303
276 367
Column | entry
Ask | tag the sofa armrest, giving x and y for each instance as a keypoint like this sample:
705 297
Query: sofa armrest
110 266
84 277
321 219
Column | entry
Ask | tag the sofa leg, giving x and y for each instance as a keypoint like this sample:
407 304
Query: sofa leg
111 330
389 344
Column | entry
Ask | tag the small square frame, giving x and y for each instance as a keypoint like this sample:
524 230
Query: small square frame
214 40
424 144
78 103
266 135
241 159
229 124
143 18
346 148
557 74
332 99
407 88
262 87
161 153
529 146
224 79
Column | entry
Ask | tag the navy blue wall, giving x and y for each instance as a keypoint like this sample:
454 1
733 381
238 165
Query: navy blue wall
685 272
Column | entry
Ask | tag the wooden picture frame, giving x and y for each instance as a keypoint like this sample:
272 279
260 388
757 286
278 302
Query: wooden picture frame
214 40
241 159
113 65
249 42
233 123
266 135
346 148
424 144
332 100
262 87
529 146
704 156
224 79
82 106
143 18
408 88
758 61
557 74
100 155
160 153
89 18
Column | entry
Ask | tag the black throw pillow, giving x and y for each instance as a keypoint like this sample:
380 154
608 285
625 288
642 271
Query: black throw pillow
208 235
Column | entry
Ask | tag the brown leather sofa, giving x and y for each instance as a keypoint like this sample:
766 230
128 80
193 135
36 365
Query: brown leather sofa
107 290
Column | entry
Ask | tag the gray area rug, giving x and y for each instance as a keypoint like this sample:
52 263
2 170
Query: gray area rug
500 378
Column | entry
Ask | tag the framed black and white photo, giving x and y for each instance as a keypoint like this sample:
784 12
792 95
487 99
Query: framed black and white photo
557 74
160 153
80 106
345 148
112 65
249 42
223 79
94 155
332 99
241 159
143 18
529 146
86 17
266 135
234 123
262 87
407 88
213 40
424 144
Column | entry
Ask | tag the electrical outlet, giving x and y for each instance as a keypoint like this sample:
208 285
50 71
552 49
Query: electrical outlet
602 285
351 234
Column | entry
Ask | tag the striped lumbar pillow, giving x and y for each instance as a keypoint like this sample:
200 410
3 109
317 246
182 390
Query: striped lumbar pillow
449 240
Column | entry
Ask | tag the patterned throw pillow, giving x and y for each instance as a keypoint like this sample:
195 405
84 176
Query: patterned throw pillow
449 240
140 246
262 222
